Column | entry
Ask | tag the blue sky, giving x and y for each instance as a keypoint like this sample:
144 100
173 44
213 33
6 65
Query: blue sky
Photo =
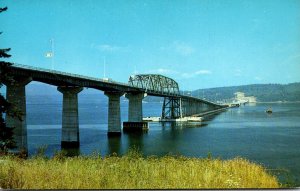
200 44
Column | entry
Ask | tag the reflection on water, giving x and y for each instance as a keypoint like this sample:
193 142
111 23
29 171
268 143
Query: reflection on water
136 140
114 145
70 152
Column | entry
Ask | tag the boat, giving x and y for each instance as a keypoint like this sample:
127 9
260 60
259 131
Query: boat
269 110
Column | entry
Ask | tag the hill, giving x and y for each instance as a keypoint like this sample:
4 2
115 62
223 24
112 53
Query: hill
263 92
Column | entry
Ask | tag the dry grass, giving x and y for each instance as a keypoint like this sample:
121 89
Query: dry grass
131 171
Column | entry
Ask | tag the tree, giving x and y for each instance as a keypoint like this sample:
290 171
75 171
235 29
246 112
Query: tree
6 133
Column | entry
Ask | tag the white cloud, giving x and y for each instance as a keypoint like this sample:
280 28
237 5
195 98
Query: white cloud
187 75
257 78
165 71
162 71
181 48
202 72
237 72
108 48
194 74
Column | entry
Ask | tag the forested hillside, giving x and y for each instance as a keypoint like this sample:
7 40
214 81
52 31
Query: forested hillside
263 92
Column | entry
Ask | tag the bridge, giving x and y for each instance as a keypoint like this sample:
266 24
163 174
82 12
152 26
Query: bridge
175 104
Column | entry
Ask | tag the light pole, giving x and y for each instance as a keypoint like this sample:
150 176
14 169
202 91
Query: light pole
52 53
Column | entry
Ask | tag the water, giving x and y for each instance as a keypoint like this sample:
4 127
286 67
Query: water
269 139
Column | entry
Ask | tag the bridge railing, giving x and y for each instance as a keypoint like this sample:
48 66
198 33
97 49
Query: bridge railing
33 68
66 74
149 91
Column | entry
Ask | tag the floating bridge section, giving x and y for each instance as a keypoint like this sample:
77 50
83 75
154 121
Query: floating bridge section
175 105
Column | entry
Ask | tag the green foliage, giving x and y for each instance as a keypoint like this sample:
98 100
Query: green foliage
6 133
4 53
3 9
6 140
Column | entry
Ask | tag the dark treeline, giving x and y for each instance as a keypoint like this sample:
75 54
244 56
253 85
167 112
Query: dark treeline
262 92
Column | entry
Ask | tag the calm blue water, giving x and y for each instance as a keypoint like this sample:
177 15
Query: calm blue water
269 139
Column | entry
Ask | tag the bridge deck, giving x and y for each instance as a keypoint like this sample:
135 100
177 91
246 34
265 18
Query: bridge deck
59 78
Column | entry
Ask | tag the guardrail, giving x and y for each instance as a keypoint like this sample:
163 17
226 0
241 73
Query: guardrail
85 77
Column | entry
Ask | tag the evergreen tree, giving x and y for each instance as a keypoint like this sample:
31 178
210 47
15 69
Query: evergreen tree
6 133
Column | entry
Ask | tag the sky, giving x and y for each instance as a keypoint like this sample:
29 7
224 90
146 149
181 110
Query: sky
198 43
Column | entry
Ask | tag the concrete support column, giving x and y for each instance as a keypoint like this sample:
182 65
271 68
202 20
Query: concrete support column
70 124
135 109
202 107
185 108
189 108
182 107
212 107
15 94
193 107
197 107
114 116
205 107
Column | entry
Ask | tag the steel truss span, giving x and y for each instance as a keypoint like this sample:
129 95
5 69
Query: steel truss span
154 82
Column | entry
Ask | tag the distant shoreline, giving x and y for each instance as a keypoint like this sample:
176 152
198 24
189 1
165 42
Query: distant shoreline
280 102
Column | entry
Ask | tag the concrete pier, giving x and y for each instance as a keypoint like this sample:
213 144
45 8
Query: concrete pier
15 94
135 113
70 124
189 108
114 114
135 109
134 127
183 108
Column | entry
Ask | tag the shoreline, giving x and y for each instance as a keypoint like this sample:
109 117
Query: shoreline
278 102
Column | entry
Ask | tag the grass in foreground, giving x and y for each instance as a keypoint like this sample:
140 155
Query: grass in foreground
132 171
